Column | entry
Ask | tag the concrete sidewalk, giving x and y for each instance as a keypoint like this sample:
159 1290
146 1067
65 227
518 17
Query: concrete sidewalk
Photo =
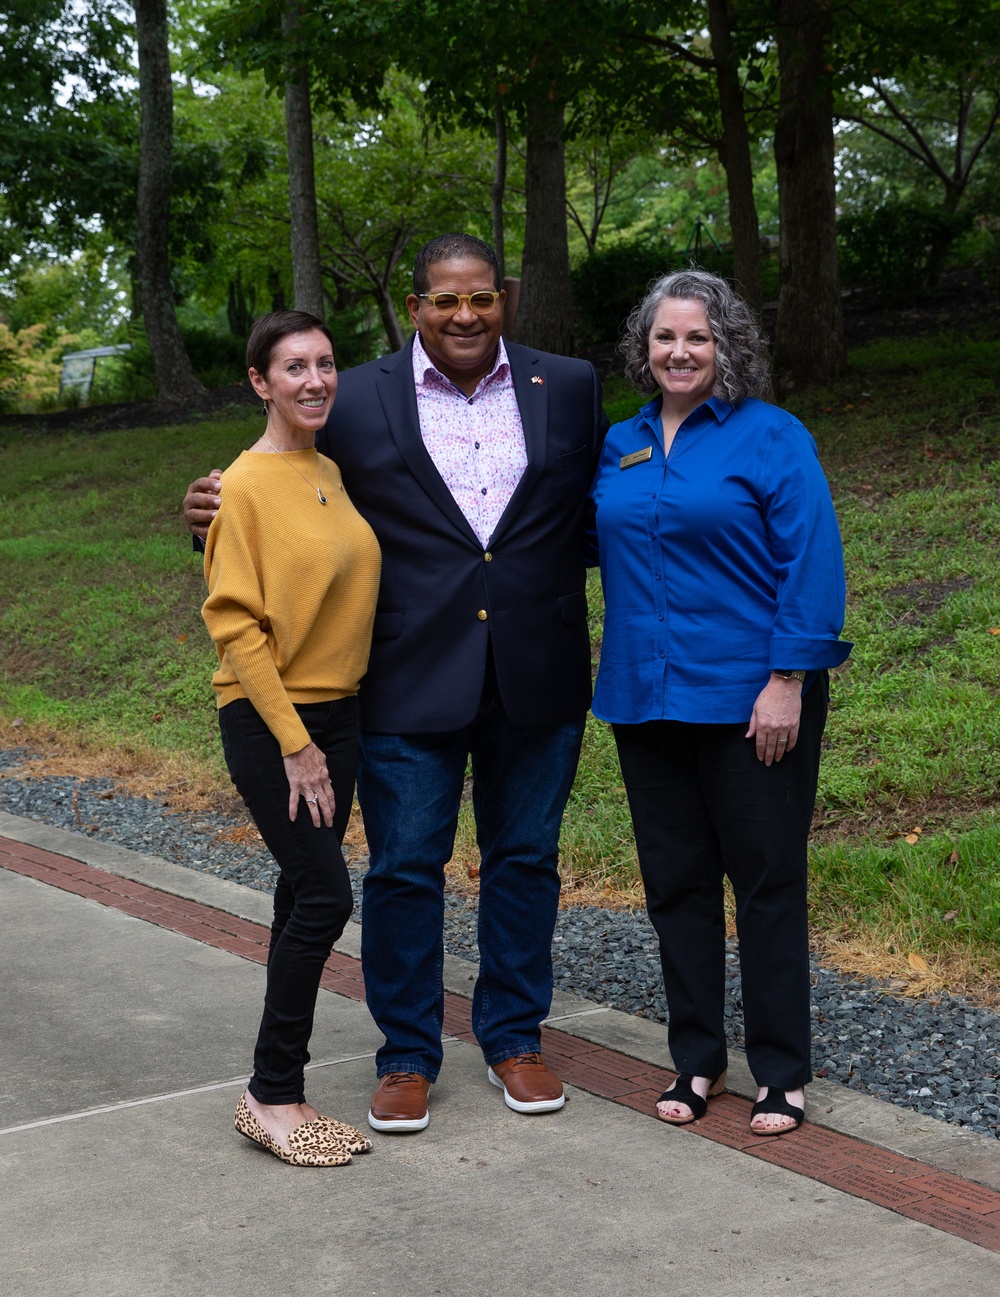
125 1047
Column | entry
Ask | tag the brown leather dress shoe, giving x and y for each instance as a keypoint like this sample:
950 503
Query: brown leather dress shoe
527 1084
399 1103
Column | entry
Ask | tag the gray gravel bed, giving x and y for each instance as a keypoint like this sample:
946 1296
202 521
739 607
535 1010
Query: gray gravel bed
937 1057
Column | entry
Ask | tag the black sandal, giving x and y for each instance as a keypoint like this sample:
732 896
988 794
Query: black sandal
681 1092
775 1103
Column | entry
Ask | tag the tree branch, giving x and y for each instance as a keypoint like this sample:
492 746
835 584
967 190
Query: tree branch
675 47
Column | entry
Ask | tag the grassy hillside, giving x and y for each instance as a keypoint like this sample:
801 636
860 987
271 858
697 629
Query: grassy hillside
102 639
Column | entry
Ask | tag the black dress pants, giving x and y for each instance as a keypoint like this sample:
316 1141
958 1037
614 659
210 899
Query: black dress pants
703 807
312 899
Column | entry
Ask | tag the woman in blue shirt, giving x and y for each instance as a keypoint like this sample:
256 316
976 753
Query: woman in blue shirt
724 588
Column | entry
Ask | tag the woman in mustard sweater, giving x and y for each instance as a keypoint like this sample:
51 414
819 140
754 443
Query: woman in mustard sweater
292 572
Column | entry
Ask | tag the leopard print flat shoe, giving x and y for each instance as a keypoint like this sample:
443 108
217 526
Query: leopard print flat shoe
354 1140
311 1144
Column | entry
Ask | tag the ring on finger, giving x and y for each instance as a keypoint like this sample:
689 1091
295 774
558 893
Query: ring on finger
782 740
312 799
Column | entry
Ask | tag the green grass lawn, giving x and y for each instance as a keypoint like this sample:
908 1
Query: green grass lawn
102 637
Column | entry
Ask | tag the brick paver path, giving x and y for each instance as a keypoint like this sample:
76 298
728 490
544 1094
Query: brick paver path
946 1202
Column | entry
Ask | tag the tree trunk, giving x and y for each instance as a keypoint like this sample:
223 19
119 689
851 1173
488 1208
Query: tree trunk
734 153
390 320
499 182
307 277
175 378
544 317
809 331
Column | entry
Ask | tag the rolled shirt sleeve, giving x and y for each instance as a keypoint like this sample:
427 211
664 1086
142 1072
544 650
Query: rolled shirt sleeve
804 541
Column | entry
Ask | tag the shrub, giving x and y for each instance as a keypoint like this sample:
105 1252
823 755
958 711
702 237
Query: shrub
30 369
611 281
897 249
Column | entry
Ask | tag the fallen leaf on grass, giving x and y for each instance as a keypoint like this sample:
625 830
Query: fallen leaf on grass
472 871
918 963
17 722
181 639
995 630
952 914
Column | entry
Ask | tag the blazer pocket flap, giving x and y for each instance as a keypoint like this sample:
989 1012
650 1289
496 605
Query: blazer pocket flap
573 457
574 607
388 623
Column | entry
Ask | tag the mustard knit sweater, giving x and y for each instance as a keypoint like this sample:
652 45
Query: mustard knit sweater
292 588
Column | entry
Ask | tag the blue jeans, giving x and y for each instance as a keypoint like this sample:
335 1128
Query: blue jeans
409 788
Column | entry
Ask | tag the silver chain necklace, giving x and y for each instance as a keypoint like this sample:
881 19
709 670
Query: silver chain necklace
318 488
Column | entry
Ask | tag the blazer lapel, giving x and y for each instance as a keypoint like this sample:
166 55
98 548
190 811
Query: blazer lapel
399 401
533 403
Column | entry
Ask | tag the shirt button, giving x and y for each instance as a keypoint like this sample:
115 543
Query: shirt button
482 614
660 618
663 655
487 557
657 575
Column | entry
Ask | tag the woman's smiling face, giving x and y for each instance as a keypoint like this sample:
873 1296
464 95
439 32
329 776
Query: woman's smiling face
300 383
682 353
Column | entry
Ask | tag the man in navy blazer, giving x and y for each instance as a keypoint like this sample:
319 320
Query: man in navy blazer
480 651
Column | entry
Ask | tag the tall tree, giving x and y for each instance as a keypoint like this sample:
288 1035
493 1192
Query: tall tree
699 95
499 181
307 274
549 69
545 312
175 376
809 331
925 77
734 154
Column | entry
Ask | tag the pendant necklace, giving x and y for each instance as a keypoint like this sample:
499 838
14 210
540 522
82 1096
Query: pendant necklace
319 471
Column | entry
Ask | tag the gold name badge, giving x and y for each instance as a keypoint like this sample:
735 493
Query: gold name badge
637 457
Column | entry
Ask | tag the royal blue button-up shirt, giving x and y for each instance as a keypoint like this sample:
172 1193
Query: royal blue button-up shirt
719 561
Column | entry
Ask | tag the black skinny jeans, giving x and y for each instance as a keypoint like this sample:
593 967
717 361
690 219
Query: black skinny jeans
312 899
704 807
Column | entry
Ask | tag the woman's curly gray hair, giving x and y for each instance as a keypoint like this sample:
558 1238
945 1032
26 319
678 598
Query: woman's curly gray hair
741 362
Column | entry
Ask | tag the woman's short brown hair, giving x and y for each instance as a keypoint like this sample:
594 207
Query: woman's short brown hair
270 329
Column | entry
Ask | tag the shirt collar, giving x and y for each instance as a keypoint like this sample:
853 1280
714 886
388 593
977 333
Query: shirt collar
423 366
720 407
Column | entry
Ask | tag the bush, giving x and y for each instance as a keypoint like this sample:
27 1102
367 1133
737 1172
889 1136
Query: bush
11 373
30 368
897 249
218 358
611 281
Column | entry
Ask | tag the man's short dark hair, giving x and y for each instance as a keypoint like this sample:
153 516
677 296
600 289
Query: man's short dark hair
270 329
452 247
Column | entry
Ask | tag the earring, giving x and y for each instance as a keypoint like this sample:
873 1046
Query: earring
264 408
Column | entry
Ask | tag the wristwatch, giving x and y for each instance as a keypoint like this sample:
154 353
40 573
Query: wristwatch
789 675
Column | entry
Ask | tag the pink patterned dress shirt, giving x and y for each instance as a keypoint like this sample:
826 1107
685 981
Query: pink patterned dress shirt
476 442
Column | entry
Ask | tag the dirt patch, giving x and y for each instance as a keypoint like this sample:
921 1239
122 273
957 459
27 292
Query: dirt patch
924 598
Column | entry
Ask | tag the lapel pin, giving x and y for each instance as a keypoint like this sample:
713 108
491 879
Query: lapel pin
537 378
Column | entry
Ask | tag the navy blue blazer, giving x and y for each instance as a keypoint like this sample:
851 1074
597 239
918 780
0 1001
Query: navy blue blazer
442 598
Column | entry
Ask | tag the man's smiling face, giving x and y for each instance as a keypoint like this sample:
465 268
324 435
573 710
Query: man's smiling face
462 346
